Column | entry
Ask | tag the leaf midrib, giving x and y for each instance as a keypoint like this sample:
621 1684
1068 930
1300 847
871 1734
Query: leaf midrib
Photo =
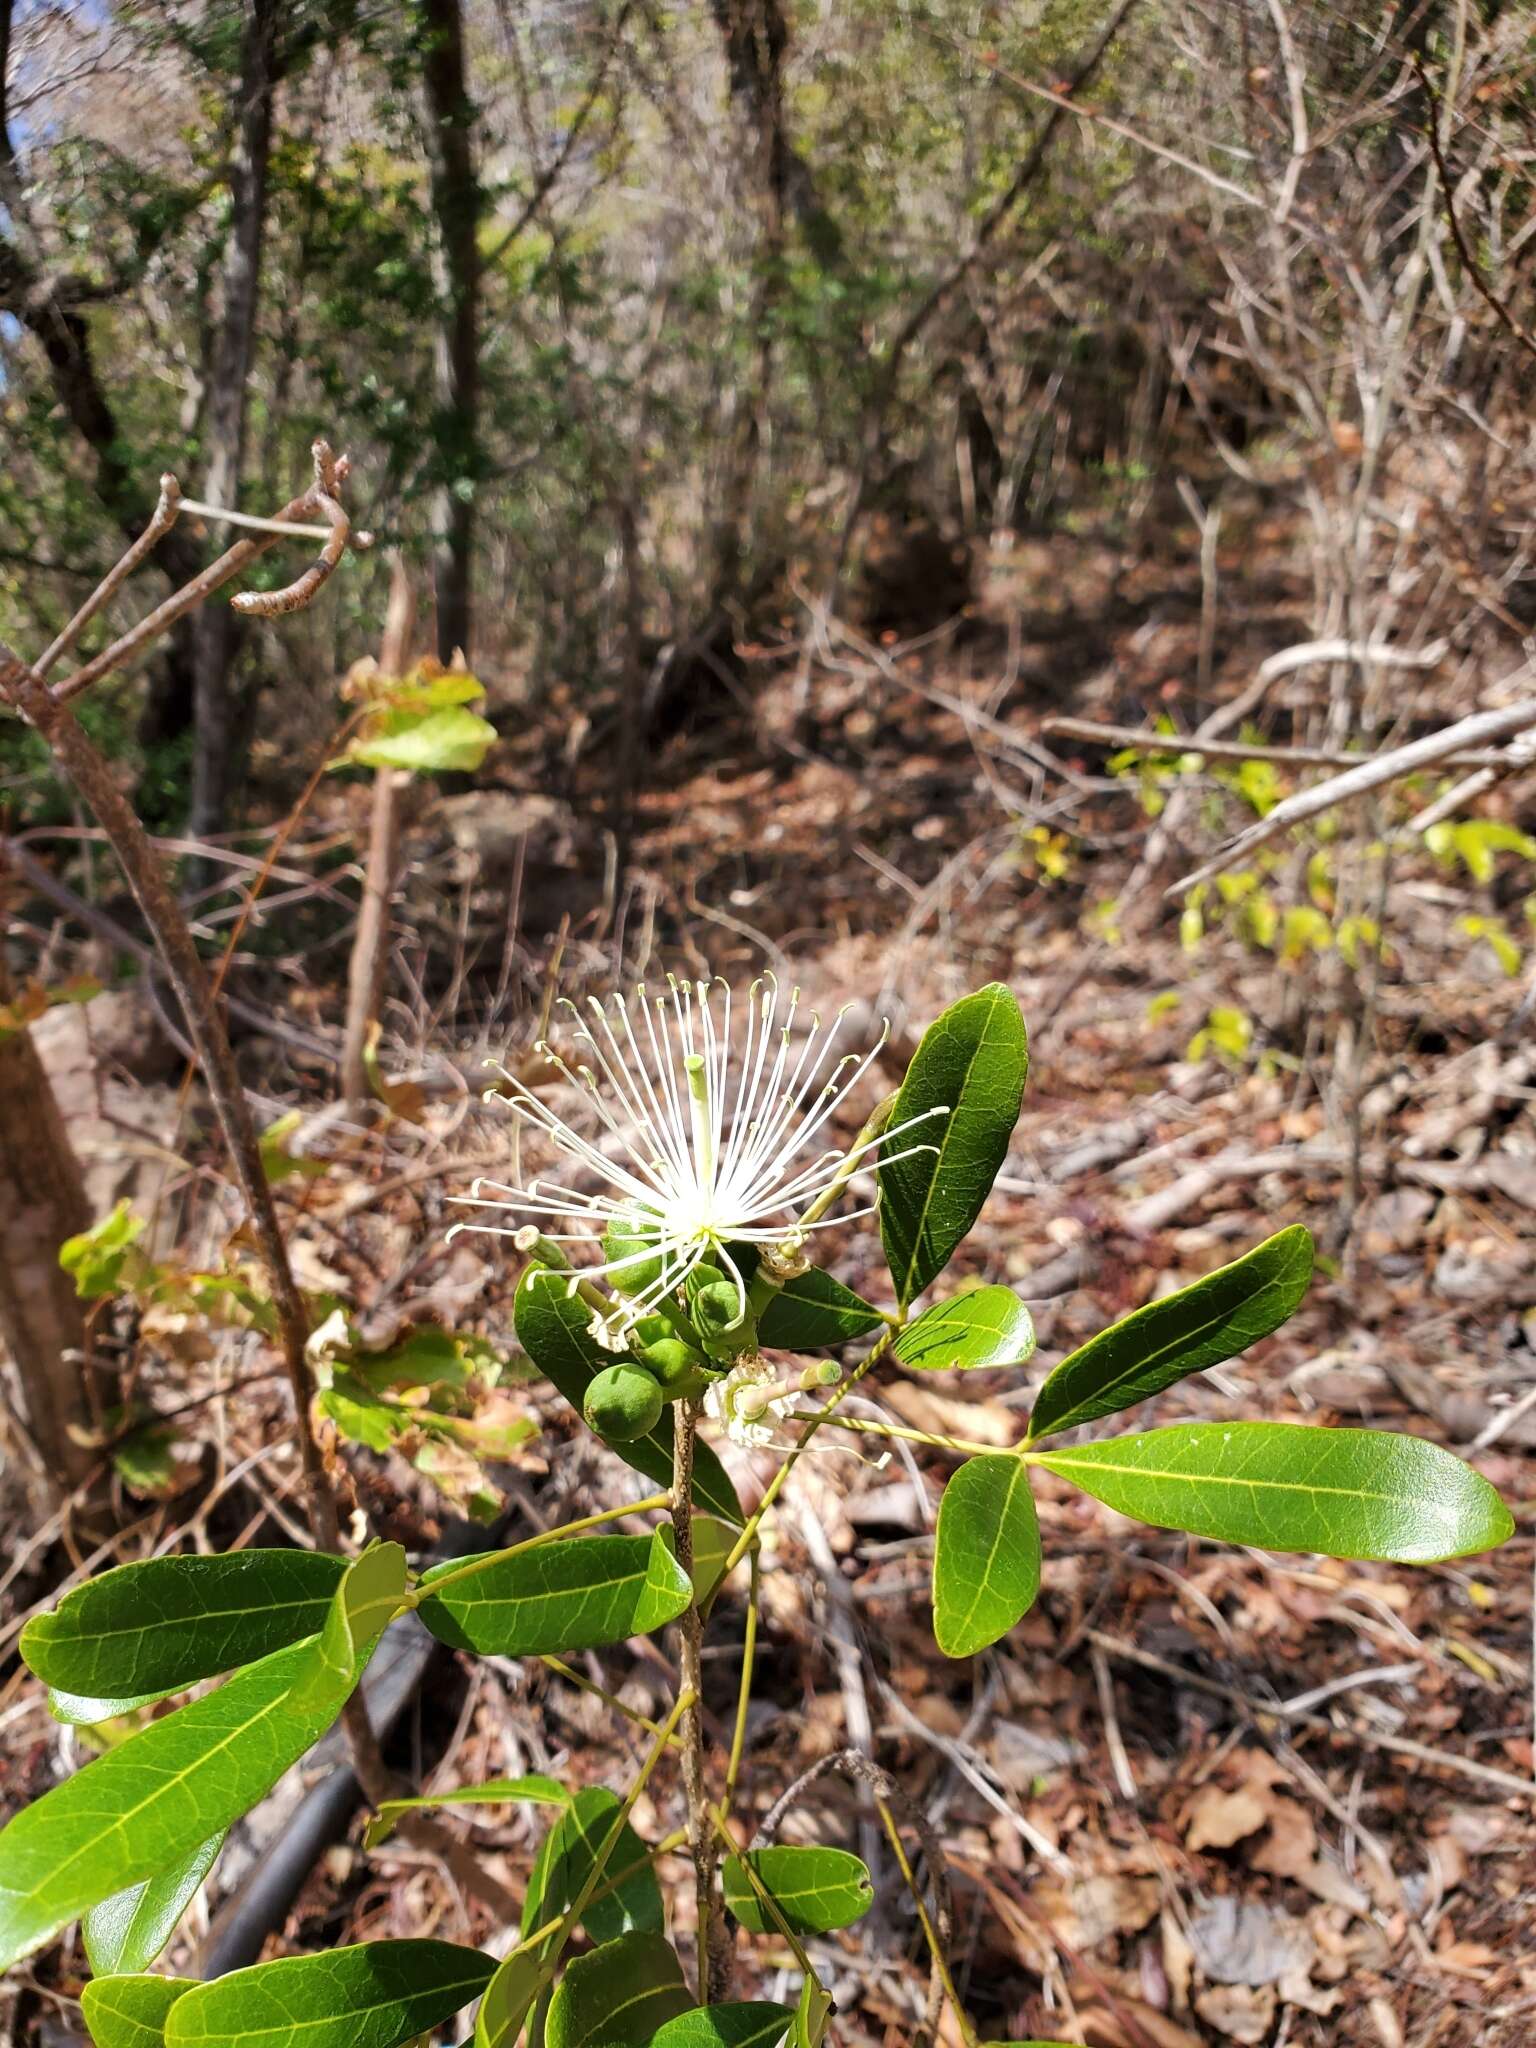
906 1290
329 2019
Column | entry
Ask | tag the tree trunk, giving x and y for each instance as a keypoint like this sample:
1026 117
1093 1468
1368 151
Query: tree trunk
42 1202
456 204
214 627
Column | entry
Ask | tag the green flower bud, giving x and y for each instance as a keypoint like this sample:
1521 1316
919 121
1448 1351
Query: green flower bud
625 1236
622 1402
677 1367
718 1317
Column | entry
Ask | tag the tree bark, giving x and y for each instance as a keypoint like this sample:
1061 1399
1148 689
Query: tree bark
456 204
42 1202
215 626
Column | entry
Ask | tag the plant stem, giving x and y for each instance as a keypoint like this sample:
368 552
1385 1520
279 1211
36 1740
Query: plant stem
701 1841
930 1933
744 1695
480 1564
609 1700
966 1448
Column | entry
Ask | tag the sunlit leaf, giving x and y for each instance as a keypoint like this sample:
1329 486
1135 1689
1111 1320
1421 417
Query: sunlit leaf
986 1555
375 1995
618 1996
1183 1333
493 1792
815 1889
972 1061
989 1326
131 2011
570 1595
1355 1493
628 1901
126 1932
756 2025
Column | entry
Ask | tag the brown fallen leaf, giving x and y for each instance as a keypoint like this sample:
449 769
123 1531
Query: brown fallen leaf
1238 2012
1216 1819
1094 1909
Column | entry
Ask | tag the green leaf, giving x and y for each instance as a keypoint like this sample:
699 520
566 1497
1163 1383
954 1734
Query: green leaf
552 1328
757 2025
127 1931
145 1630
986 1555
97 1256
376 1995
618 1996
1200 1326
130 2012
814 1312
494 1792
973 1060
154 1798
989 1326
80 1710
370 1593
812 2013
564 1864
570 1595
1364 1493
713 1543
450 740
507 1998
815 1889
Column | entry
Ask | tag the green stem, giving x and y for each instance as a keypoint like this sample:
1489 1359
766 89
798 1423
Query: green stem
609 1699
664 1847
966 1448
573 1913
749 1534
744 1694
930 1932
647 1506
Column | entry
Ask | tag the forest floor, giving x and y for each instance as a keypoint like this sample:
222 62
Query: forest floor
1201 1795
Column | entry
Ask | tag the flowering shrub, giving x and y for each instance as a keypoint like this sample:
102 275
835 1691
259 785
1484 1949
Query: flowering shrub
669 1291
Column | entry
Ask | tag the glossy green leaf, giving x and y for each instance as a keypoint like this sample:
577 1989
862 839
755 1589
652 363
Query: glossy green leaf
148 1629
126 1932
151 1801
494 1792
77 1710
376 1995
619 1996
989 1326
507 1999
973 1061
814 1312
552 1328
713 1542
812 2014
1200 1326
130 2011
368 1597
1364 1493
986 1555
564 1864
756 2025
570 1595
815 1889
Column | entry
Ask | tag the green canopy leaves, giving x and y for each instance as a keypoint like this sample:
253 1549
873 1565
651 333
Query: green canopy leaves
986 1556
573 1594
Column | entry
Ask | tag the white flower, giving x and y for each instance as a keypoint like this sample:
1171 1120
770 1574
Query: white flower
748 1422
702 1143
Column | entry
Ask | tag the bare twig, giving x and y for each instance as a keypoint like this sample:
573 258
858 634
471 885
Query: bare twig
161 522
1357 782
